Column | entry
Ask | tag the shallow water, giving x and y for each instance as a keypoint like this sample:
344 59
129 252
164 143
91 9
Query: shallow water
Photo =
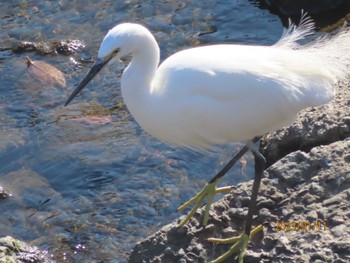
87 182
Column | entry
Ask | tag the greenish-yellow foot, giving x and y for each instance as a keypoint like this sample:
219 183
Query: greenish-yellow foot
239 246
208 191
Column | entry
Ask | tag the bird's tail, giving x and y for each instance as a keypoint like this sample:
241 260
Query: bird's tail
294 33
333 51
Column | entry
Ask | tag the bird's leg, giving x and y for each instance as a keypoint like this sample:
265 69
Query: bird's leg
210 189
240 243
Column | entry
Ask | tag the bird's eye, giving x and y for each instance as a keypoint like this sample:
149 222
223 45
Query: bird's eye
115 52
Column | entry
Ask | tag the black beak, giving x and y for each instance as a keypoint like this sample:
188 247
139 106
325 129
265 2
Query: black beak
99 64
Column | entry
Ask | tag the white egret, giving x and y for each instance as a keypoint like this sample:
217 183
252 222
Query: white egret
218 94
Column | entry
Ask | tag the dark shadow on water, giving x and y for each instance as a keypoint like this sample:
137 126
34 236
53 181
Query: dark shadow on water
322 19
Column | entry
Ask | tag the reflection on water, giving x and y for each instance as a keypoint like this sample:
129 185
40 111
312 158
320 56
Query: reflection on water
87 182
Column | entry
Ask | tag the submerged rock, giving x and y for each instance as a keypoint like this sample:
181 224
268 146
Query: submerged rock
13 251
4 193
64 47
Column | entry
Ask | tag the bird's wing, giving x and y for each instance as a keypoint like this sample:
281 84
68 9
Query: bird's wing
249 90
233 72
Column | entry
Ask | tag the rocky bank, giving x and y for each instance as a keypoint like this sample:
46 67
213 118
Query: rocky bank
15 251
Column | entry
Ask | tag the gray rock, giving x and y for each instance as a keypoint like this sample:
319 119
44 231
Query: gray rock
312 239
311 216
341 246
339 230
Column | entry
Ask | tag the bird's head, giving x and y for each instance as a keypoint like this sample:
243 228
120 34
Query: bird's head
120 41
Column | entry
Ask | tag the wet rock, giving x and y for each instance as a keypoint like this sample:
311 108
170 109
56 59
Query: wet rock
13 250
29 187
309 228
11 137
64 47
30 206
290 7
4 193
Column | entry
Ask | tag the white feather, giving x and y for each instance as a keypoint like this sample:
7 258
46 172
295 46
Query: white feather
219 94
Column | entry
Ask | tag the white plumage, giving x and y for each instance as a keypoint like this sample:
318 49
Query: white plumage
217 94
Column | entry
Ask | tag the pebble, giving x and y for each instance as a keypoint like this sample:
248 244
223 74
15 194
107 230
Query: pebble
331 201
316 189
339 230
309 199
311 216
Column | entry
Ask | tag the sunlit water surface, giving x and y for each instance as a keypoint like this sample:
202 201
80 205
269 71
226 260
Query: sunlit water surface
87 182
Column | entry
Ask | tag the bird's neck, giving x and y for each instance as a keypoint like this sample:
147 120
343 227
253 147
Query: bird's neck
137 78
